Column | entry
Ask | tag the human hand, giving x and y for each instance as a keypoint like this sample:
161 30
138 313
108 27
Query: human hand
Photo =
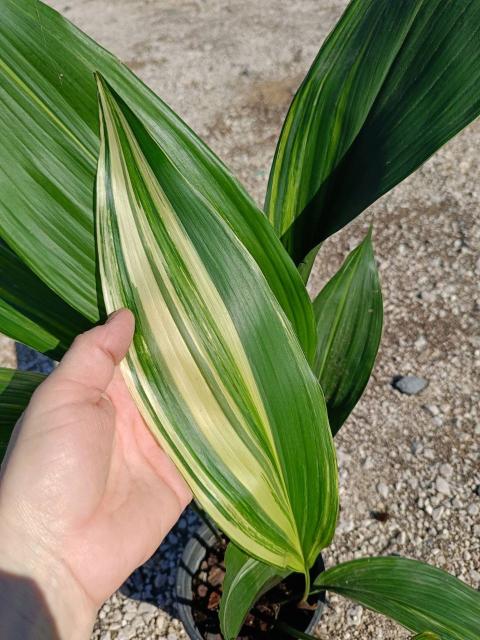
86 493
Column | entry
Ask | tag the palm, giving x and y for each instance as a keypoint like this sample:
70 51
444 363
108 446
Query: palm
105 494
136 499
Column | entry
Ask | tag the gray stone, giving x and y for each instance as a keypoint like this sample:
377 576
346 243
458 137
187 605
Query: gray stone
162 623
417 447
437 513
354 616
383 490
145 607
473 510
421 343
446 470
442 486
402 537
410 385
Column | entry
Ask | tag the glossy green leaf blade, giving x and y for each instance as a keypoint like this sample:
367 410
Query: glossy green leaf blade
392 83
416 595
427 635
249 432
16 388
333 102
32 313
349 316
49 133
306 266
246 580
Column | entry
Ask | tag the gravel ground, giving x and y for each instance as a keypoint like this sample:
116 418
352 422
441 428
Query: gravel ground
409 464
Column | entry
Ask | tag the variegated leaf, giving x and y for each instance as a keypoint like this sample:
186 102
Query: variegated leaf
48 155
215 367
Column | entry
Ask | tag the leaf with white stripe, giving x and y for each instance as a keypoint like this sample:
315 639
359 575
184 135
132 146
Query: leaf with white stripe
215 367
48 155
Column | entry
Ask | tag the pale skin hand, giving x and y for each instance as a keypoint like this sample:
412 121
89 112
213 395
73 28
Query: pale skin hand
86 493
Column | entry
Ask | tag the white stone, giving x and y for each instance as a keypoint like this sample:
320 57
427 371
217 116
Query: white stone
442 486
437 514
473 510
354 616
382 490
446 470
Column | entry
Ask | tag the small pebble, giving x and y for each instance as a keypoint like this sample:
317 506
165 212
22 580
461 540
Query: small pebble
354 616
162 624
437 513
146 607
409 385
402 537
473 510
442 486
382 490
417 447
421 343
446 470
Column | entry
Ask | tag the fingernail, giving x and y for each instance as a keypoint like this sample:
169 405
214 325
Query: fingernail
112 315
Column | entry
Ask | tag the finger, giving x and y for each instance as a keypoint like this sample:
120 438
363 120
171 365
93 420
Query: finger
91 360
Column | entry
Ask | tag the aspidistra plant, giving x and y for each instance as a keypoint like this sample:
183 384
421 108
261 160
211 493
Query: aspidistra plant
230 356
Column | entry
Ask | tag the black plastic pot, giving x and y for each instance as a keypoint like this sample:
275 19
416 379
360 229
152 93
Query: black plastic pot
193 555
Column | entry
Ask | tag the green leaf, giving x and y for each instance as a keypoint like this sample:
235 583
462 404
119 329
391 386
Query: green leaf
427 635
49 150
31 313
392 83
416 595
16 388
248 431
349 315
246 580
306 266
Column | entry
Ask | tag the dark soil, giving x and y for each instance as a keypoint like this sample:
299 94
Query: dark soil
282 603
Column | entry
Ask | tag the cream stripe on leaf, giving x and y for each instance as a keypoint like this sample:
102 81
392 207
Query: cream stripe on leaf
48 154
215 367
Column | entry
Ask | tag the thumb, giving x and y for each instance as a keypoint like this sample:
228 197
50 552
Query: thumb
91 360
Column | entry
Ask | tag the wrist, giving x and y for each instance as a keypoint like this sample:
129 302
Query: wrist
39 597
